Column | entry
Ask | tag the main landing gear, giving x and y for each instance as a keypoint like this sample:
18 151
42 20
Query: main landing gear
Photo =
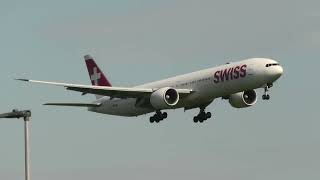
202 116
266 96
158 117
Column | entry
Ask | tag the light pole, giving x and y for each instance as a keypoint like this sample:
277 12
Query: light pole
26 114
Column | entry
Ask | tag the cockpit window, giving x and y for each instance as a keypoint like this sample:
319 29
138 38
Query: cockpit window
274 64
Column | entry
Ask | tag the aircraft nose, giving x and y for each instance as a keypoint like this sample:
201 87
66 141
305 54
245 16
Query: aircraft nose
279 71
276 72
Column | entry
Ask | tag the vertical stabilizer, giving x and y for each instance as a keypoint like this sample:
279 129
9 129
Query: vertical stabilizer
95 74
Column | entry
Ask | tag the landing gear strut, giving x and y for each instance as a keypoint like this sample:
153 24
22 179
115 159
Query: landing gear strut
158 117
266 96
202 116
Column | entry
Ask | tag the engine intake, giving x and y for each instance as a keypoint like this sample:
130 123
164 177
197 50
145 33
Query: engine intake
243 99
164 98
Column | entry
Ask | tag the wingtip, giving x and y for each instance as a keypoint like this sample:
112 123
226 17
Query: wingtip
25 80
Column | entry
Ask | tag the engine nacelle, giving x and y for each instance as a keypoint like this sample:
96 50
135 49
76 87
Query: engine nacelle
243 99
164 98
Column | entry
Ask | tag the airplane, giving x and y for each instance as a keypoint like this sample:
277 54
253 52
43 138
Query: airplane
236 82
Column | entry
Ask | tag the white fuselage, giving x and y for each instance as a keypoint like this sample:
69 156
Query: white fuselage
206 85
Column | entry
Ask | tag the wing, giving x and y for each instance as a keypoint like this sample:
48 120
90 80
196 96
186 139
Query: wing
117 92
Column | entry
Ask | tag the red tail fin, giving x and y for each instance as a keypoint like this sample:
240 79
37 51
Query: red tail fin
96 75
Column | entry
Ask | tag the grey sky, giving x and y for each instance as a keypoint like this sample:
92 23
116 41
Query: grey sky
140 41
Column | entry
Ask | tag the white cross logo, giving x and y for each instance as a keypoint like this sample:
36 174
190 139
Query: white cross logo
95 76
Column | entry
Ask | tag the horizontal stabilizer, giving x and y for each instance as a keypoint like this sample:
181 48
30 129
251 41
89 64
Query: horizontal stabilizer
74 104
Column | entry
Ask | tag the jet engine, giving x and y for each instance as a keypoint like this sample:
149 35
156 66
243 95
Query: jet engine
243 99
164 98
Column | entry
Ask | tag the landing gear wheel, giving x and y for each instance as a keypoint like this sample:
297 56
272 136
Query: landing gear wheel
164 115
195 119
202 116
266 97
152 119
208 115
158 117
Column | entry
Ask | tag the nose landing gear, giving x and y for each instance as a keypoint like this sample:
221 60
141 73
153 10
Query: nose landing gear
158 117
202 116
266 96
